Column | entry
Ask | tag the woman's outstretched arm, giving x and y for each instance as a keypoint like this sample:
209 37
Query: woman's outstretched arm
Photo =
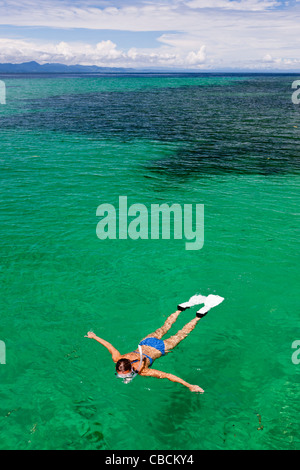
113 351
173 378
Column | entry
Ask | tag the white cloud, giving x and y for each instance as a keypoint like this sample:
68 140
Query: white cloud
213 33
21 51
196 58
105 53
280 61
181 15
243 5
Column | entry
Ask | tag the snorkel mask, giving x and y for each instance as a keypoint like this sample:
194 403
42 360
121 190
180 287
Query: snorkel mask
127 378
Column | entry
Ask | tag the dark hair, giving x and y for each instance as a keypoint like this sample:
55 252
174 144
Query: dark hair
123 365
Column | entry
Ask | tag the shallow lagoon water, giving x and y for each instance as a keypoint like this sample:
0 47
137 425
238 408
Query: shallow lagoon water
71 143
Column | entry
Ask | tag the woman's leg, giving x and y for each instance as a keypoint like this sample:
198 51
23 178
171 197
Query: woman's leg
171 342
160 332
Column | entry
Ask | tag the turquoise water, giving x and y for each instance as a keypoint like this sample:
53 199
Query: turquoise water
71 143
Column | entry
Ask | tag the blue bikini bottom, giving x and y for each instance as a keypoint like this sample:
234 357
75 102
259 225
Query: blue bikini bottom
154 343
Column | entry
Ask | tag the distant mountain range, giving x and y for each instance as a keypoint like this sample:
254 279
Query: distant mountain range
34 67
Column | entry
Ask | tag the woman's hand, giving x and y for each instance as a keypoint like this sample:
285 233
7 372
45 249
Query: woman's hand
90 334
196 388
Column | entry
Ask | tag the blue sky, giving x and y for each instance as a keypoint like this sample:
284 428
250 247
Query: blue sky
189 34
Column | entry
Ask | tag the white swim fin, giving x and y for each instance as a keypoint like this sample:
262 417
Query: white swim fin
195 300
210 302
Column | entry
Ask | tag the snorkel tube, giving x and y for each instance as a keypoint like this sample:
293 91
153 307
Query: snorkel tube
141 357
127 378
